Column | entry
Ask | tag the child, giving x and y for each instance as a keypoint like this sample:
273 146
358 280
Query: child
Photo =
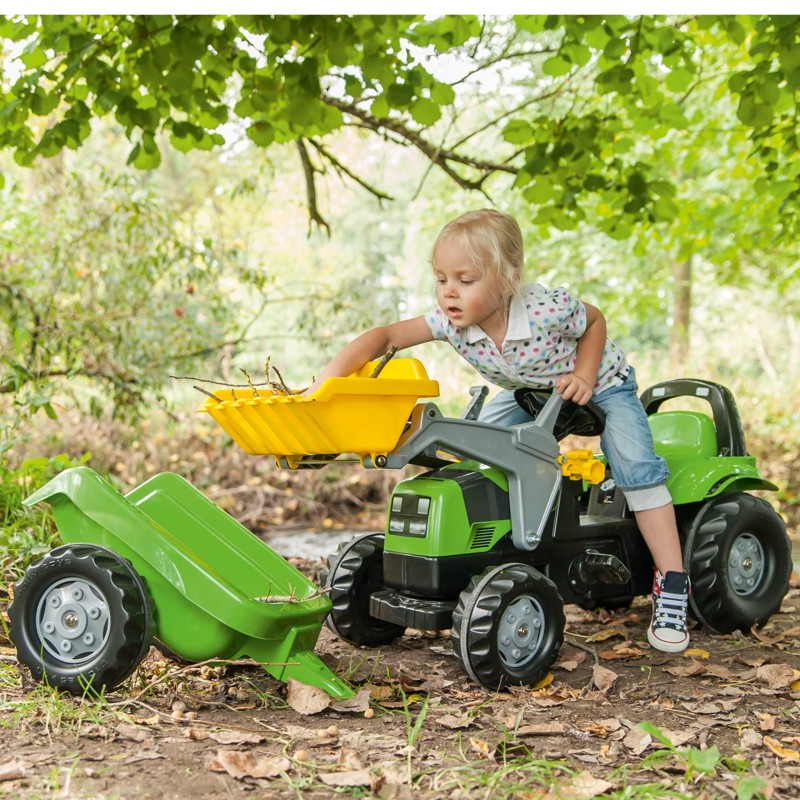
525 335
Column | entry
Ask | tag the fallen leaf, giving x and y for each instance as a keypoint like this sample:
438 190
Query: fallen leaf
356 777
357 704
546 681
695 652
555 696
703 708
776 676
583 786
155 719
637 741
247 765
601 727
348 760
718 671
236 737
621 651
677 738
12 770
750 739
608 633
794 631
695 668
133 732
455 721
542 729
572 660
603 678
481 748
766 722
786 753
305 699
393 772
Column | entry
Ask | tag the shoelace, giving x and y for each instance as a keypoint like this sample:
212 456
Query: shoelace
671 609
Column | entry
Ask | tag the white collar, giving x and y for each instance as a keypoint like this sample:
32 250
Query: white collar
519 327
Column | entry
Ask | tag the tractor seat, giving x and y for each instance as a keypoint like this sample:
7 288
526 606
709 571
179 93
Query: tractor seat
683 434
575 420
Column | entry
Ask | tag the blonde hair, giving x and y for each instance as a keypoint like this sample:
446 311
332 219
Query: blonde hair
492 241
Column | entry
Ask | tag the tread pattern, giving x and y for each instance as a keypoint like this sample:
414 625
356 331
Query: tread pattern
477 615
354 571
129 604
712 600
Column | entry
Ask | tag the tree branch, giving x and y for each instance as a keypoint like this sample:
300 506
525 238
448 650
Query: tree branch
441 157
309 171
339 167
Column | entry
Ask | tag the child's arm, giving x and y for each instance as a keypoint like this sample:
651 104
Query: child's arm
373 344
579 384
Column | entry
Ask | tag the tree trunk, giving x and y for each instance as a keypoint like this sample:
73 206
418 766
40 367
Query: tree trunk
681 315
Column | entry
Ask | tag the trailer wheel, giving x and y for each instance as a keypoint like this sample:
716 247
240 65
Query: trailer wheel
81 619
508 626
354 572
739 559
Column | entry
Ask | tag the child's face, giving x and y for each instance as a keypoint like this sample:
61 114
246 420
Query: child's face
465 294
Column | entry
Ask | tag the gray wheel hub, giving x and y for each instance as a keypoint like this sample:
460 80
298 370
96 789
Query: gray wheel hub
73 620
746 564
520 631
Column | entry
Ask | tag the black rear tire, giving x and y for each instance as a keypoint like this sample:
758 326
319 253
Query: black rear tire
739 559
354 572
81 619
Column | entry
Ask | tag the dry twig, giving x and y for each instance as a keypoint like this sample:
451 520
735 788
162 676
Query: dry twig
385 359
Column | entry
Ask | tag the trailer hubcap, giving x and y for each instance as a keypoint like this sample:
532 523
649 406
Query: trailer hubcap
520 631
745 564
73 620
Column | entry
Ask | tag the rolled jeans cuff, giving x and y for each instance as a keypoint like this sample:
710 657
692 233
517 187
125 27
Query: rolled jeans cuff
646 499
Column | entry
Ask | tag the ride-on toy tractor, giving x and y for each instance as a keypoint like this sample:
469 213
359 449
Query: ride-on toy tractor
493 545
491 541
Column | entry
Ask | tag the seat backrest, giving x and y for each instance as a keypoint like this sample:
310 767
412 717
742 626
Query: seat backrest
683 434
727 422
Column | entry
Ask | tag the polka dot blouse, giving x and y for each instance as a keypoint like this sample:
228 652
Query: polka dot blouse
541 342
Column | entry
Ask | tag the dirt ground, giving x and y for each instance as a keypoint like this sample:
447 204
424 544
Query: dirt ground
419 727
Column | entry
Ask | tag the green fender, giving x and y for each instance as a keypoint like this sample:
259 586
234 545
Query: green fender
694 480
204 572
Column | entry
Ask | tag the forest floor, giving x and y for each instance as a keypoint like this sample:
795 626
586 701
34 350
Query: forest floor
614 719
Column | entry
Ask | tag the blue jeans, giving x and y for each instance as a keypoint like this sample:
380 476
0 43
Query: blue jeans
626 441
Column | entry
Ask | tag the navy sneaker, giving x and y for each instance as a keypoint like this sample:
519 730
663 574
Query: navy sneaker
667 631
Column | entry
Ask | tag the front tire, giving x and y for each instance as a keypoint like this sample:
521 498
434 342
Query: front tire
354 572
81 619
739 559
508 626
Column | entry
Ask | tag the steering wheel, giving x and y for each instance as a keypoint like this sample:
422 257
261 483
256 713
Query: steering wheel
586 420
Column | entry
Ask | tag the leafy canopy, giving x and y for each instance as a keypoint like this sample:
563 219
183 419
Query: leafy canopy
576 128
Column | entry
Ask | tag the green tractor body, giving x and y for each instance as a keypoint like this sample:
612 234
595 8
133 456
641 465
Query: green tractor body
448 558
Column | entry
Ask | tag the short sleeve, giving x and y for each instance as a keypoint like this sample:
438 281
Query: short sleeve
437 323
568 313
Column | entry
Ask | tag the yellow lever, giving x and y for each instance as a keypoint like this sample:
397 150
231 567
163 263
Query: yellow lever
580 465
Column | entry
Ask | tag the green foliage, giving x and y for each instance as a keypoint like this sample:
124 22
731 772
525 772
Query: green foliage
26 533
602 96
100 284
703 762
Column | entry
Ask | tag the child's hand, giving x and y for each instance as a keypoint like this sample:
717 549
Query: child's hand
573 387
